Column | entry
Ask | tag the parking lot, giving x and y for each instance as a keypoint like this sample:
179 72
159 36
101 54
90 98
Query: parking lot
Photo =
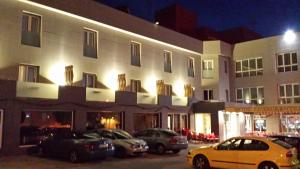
149 161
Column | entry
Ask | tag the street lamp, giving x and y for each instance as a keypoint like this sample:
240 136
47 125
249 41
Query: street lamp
289 36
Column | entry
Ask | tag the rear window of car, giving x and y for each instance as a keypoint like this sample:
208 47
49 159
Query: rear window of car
282 143
169 133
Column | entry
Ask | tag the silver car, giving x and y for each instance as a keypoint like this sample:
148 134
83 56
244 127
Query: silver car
161 140
124 143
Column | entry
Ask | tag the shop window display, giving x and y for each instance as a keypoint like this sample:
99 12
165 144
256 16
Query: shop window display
35 125
108 120
260 123
290 124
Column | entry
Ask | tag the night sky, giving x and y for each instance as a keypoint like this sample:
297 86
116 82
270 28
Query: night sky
267 17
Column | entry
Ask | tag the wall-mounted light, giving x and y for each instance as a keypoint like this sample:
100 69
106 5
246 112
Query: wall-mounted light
156 23
289 36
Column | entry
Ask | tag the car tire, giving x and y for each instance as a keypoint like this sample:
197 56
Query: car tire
73 156
175 151
267 165
120 152
160 149
200 162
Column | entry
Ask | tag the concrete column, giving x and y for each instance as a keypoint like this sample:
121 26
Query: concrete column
273 124
80 120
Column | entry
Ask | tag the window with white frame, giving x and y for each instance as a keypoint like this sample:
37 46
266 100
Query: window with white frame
31 29
289 93
249 67
28 73
253 95
287 62
208 94
207 69
135 54
191 71
135 85
89 80
167 61
90 43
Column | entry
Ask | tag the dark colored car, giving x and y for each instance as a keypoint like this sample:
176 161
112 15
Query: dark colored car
161 140
292 140
124 143
75 146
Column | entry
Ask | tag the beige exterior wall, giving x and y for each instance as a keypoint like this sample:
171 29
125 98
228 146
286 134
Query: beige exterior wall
62 45
266 48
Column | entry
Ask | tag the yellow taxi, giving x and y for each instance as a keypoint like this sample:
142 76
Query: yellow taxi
245 153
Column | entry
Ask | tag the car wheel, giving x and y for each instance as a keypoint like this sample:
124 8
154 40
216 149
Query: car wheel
120 152
267 165
175 151
160 149
201 162
73 156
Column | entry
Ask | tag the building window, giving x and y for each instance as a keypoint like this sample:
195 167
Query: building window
167 61
225 66
207 69
28 73
287 62
249 67
135 54
31 30
227 95
89 80
135 86
69 75
168 90
90 43
191 70
254 95
208 94
289 93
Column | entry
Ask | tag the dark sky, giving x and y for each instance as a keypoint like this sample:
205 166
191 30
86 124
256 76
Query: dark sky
267 17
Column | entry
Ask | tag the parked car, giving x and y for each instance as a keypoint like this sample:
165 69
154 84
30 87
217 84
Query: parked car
245 153
292 140
75 146
125 144
162 140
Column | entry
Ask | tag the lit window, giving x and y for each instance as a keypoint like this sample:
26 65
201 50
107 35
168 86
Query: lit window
89 80
249 67
208 94
287 62
90 43
31 30
191 70
135 86
135 54
289 93
69 75
207 69
167 61
254 95
168 90
28 73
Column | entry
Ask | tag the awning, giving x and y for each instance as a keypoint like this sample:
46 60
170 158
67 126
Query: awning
270 109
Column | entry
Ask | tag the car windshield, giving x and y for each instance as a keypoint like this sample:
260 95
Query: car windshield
120 134
169 133
282 143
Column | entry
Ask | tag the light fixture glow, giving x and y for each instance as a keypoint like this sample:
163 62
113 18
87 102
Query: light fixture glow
179 88
111 79
150 85
289 36
156 23
57 73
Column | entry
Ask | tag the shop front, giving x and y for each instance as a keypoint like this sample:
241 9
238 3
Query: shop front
143 121
177 121
35 124
108 120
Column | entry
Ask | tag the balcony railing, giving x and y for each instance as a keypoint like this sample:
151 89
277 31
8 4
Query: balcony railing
145 98
179 101
37 90
103 95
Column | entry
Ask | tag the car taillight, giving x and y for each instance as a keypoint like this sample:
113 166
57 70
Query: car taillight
289 154
173 140
89 147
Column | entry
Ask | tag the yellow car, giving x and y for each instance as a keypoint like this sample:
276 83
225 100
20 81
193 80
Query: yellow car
245 153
